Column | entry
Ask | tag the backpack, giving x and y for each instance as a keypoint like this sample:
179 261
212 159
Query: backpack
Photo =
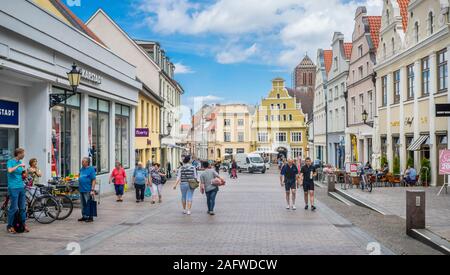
19 226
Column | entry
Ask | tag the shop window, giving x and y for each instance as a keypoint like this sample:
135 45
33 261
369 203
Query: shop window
122 125
98 134
65 136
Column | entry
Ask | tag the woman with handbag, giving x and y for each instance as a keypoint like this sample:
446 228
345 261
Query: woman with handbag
119 179
209 185
187 179
157 179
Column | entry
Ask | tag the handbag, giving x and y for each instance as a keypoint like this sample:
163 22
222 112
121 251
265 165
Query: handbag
148 192
193 183
92 204
218 182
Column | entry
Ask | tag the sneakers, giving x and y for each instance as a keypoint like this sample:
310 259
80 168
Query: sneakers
294 208
313 208
212 213
288 207
188 213
82 220
184 212
306 207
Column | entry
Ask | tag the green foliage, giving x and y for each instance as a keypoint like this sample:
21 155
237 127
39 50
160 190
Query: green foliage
396 166
425 174
410 162
383 160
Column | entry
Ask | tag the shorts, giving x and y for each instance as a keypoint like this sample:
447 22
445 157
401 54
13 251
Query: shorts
119 189
290 185
308 186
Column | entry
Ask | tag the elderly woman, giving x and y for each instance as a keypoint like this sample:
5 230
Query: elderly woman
87 181
119 178
140 181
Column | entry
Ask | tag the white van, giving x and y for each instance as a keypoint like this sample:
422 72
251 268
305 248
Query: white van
250 163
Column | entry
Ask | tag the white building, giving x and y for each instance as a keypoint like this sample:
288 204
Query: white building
37 49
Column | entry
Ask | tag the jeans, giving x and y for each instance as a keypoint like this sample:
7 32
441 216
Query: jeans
119 189
140 192
187 193
157 189
85 210
18 203
211 199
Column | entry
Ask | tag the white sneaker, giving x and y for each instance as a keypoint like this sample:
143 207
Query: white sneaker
188 213
294 208
184 212
288 207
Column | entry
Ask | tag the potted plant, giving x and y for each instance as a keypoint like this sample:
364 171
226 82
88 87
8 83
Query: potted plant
396 168
410 162
425 172
383 161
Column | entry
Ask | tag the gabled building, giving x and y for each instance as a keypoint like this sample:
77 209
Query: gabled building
412 77
319 127
336 100
361 88
279 124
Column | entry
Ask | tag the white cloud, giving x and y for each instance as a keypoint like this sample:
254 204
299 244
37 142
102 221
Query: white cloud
180 68
277 32
205 99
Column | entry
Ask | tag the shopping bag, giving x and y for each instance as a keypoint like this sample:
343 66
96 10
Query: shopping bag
148 192
92 204
125 188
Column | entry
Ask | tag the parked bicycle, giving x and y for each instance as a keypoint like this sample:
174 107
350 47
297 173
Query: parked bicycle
365 183
60 194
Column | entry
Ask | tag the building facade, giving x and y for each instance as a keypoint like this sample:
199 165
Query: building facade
279 124
361 88
412 73
146 137
40 42
320 113
336 100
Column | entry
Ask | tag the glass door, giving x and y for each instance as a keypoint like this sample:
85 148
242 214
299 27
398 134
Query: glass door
8 143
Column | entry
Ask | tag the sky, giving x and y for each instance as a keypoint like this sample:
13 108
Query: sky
228 51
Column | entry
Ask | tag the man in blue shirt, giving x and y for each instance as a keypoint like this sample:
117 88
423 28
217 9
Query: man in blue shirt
288 179
411 176
140 180
16 189
87 181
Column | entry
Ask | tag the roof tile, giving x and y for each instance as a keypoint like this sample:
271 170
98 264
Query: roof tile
348 50
375 26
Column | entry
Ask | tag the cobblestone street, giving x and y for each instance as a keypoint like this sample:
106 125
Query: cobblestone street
250 219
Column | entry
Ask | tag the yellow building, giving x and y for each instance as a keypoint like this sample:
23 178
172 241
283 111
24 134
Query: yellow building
148 127
279 124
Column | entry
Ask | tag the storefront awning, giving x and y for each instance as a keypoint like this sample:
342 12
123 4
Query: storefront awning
417 144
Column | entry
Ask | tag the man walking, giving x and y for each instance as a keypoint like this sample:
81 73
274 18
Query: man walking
307 174
288 179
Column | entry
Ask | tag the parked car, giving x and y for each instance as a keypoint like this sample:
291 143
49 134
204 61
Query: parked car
250 163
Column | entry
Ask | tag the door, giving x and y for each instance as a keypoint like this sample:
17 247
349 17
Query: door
8 143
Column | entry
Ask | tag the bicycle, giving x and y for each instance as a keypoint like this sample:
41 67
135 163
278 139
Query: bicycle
65 202
366 184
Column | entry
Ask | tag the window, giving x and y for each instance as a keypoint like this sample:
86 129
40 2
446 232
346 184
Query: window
227 122
65 136
240 137
410 70
123 135
442 71
361 72
227 136
263 137
416 32
430 23
396 86
278 95
384 88
296 137
240 151
280 137
284 106
353 109
240 122
384 50
388 17
290 118
360 51
335 63
425 76
229 151
98 134
361 104
370 96
297 153
284 117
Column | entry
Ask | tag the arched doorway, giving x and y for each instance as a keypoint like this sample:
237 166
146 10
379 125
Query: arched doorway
282 152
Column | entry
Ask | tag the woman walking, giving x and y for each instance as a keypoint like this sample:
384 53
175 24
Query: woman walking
186 178
208 187
156 181
140 181
119 178
234 168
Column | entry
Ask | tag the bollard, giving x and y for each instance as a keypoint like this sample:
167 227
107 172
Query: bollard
415 210
331 183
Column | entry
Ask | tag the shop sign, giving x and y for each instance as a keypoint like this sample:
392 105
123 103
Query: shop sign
91 77
142 132
9 113
444 162
352 168
442 110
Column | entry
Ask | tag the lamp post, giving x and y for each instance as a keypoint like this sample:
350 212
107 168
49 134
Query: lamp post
365 117
169 130
74 77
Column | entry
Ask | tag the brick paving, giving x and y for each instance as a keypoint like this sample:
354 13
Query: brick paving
250 220
393 200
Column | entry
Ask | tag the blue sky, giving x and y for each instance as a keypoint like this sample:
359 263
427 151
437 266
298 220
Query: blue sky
228 51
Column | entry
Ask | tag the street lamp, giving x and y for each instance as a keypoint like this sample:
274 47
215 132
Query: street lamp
74 77
365 117
169 130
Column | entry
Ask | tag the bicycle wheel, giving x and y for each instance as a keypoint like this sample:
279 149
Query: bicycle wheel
66 206
45 209
369 187
4 212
